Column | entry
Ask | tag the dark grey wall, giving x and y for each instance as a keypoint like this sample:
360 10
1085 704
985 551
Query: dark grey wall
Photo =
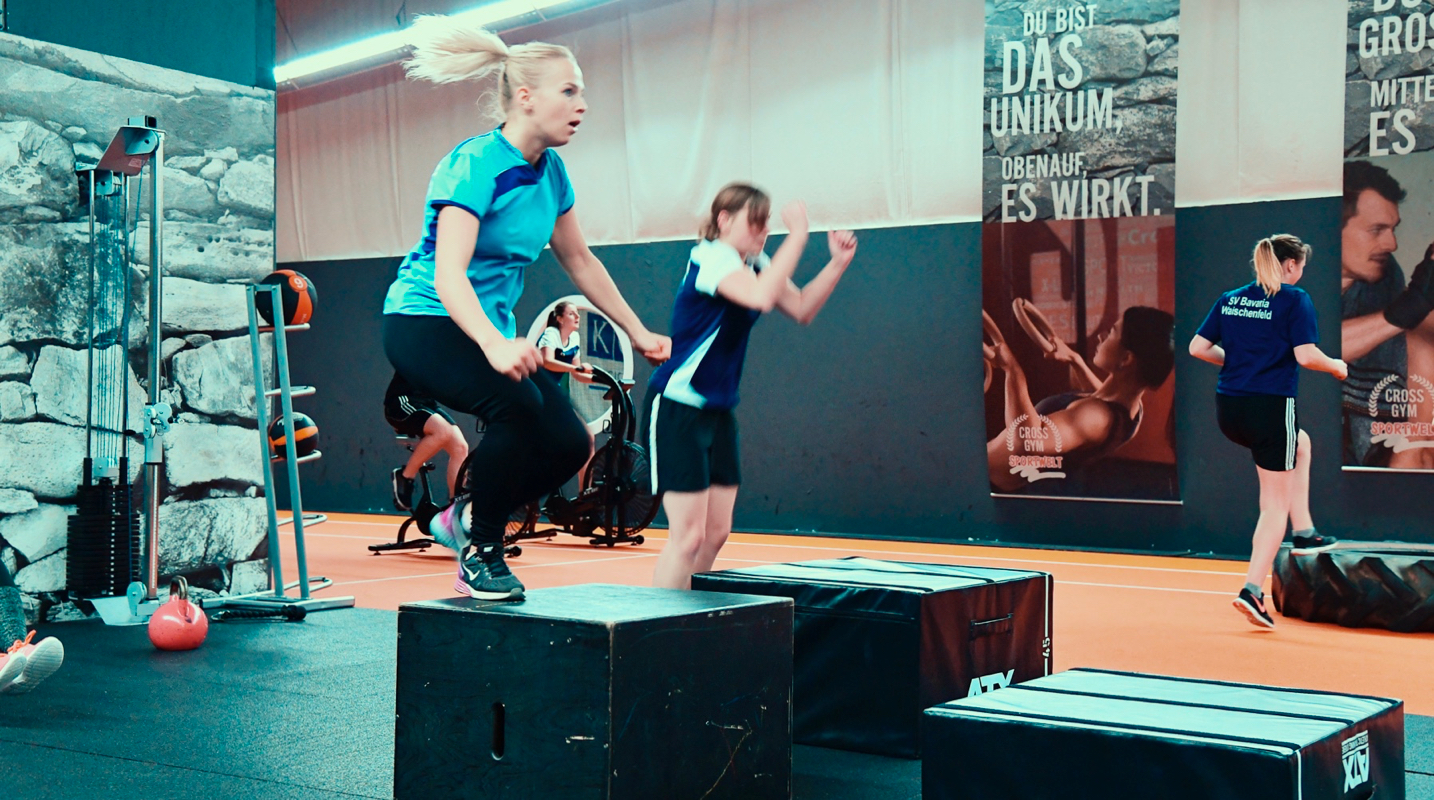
868 422
232 40
837 435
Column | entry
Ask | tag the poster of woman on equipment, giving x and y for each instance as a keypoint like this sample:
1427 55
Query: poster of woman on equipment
1078 249
1077 347
1387 235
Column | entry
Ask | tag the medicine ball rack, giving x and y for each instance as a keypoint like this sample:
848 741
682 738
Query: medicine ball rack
276 596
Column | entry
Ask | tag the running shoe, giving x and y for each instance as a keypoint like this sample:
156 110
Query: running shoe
402 490
1313 544
1254 609
484 575
450 527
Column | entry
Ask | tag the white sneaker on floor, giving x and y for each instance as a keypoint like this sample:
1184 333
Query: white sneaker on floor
41 661
11 665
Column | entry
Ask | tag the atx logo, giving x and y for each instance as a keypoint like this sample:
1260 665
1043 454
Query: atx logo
990 683
602 339
1355 753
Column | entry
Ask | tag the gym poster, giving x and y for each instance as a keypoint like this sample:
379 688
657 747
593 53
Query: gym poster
1078 249
1387 235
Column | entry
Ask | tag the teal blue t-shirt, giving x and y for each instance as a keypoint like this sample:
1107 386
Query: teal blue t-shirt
517 205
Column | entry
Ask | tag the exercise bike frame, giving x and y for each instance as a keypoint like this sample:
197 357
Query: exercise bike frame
599 512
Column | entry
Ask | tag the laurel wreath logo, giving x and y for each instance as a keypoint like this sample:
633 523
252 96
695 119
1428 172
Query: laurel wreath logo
1045 420
1376 391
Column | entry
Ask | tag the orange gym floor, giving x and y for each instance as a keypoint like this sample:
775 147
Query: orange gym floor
1154 614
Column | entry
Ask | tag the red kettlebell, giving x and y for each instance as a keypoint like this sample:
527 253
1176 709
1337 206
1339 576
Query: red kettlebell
178 624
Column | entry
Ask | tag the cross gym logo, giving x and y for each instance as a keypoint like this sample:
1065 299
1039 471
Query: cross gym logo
1403 404
1034 464
1354 752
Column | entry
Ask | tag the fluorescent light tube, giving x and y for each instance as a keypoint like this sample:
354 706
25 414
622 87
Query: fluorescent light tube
385 47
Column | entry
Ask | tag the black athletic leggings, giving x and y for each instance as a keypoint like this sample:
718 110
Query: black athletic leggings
534 442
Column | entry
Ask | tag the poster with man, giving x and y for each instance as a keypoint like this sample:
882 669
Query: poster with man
1078 249
1387 238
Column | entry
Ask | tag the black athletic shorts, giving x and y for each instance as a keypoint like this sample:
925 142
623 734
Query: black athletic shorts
1267 424
408 410
691 448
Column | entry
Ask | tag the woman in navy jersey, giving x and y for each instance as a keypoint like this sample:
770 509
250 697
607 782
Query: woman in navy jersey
727 285
1260 335
493 203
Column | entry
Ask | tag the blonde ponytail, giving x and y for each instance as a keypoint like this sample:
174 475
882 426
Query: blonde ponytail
450 49
1270 255
1267 267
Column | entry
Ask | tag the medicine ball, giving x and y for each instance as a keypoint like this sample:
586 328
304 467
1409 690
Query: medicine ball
306 436
299 297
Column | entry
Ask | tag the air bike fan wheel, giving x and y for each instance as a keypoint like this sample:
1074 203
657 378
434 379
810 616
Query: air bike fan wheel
624 468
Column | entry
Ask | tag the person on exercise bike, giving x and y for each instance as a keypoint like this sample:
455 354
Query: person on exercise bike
411 413
561 348
560 344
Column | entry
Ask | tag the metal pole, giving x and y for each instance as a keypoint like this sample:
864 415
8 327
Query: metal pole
154 449
296 506
122 448
90 350
261 406
156 270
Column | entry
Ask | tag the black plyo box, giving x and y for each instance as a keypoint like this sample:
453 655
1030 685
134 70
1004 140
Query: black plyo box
877 642
595 691
1097 734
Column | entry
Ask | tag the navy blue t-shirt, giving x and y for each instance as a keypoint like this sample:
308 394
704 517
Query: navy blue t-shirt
709 332
1260 334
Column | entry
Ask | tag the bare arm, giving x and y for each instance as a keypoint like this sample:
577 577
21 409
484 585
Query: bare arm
592 279
1421 362
803 304
1018 395
552 364
1359 335
453 249
1083 379
1310 356
1206 350
761 292
457 235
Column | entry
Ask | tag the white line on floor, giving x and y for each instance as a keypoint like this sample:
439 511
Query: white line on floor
848 551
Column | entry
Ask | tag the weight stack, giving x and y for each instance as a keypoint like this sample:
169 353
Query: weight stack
103 538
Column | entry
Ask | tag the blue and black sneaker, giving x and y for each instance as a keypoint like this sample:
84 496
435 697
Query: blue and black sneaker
484 575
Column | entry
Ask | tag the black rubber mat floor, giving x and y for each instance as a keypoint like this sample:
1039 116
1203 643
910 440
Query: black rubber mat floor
301 710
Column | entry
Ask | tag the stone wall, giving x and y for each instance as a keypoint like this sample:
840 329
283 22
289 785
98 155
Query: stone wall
59 109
